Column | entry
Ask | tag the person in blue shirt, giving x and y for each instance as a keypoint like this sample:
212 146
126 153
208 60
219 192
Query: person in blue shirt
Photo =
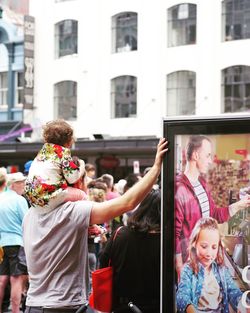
12 210
206 284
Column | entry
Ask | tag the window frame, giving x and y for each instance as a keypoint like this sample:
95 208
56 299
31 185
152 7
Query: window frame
239 79
181 92
61 36
128 41
239 20
3 90
62 100
182 28
126 91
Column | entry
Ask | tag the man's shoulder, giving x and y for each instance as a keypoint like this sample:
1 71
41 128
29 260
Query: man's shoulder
74 208
182 182
76 204
11 194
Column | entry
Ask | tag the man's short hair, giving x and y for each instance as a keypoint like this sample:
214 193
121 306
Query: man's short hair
194 143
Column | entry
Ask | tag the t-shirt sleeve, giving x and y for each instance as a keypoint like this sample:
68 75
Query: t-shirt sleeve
79 212
22 207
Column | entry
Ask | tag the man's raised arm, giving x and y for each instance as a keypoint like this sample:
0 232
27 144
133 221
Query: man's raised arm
107 210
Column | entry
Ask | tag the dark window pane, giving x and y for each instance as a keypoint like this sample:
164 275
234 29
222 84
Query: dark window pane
182 25
124 96
181 90
235 17
66 38
124 32
236 88
65 100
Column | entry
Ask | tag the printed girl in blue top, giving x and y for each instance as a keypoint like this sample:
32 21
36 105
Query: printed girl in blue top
206 284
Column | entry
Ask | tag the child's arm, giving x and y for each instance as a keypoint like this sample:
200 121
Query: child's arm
184 292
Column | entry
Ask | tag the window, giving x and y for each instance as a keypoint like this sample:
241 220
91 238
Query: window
124 32
235 19
19 88
181 88
236 89
182 25
65 100
3 88
66 38
124 96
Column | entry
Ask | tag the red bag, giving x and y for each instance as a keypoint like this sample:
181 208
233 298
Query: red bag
102 287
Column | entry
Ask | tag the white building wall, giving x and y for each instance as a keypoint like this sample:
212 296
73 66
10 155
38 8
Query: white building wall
94 66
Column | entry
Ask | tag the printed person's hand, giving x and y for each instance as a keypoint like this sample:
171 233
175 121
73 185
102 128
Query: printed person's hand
242 204
161 150
190 309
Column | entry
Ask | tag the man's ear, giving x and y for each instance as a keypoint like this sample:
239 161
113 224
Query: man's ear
195 156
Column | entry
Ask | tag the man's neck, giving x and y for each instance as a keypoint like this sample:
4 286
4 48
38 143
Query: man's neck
192 172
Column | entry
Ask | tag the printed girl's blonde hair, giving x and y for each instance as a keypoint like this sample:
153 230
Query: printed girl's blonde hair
203 223
97 191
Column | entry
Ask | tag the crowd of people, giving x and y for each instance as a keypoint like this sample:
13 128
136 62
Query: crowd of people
55 222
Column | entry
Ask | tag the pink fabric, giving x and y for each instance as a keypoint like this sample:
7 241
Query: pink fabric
74 194
188 212
112 195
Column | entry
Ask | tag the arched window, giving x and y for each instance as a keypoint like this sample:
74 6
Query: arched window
66 38
124 96
236 89
181 88
182 25
124 32
65 100
235 19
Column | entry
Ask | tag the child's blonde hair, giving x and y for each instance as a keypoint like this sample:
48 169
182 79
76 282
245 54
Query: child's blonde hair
203 223
58 132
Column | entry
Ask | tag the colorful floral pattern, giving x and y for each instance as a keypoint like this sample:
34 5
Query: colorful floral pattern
51 171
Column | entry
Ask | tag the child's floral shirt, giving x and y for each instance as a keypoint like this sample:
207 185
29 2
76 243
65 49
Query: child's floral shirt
50 173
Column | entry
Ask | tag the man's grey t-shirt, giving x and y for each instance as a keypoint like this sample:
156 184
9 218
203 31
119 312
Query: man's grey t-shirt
56 247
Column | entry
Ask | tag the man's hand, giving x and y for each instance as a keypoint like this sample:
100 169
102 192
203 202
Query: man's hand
104 211
161 150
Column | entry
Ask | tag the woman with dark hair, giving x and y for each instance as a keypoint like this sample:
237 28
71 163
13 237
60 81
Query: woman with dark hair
135 258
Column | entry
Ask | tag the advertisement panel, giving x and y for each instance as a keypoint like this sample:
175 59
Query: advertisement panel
206 215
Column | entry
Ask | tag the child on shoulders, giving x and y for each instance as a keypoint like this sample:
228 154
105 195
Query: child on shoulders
53 169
